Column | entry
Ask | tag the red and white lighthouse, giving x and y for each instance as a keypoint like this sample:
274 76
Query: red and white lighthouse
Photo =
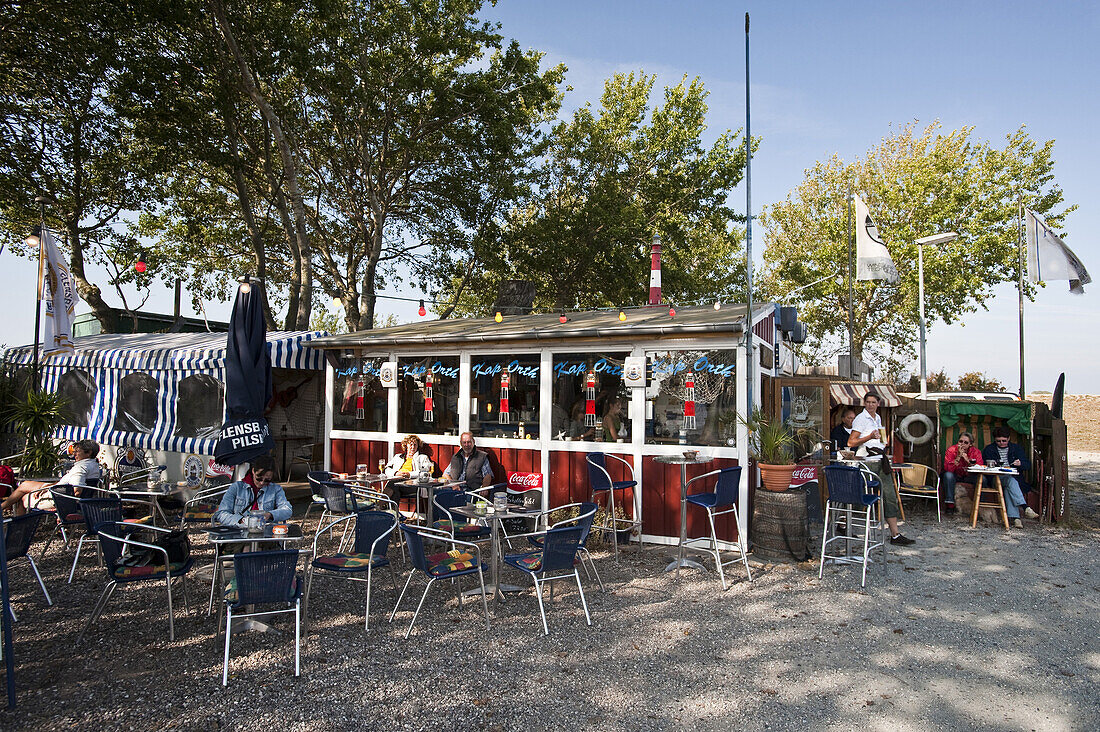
655 271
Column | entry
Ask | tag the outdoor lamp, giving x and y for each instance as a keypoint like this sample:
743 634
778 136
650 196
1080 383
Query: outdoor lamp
422 311
671 311
140 265
562 318
717 304
935 239
34 237
498 317
622 316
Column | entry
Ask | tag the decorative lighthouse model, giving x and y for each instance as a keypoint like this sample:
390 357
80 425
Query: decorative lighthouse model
429 410
360 413
590 399
689 401
503 414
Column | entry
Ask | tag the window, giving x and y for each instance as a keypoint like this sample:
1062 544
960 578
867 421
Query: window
595 412
137 404
361 401
691 398
200 406
504 396
416 375
78 389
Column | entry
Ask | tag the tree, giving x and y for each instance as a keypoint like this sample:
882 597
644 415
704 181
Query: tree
610 180
915 183
978 381
60 136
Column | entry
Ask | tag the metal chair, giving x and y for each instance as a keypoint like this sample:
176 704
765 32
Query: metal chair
311 455
201 507
369 499
19 533
113 539
463 559
600 480
371 541
99 511
919 481
558 554
339 501
850 495
721 501
315 478
66 511
457 526
263 578
586 514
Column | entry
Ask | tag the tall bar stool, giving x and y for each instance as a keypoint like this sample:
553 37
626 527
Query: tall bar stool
600 480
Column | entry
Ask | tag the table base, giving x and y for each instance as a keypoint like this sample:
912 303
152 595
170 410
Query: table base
245 625
494 590
678 562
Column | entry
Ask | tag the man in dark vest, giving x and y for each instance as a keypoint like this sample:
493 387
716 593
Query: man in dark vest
469 465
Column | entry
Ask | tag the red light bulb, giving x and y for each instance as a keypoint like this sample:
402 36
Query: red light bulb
562 318
422 311
671 312
140 267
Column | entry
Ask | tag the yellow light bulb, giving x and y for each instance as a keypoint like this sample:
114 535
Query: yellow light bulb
488 407
622 316
717 305
498 317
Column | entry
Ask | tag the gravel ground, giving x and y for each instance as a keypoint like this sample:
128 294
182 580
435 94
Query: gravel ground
970 628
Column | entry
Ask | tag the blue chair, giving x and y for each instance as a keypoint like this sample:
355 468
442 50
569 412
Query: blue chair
201 507
339 501
263 578
586 515
371 541
850 494
463 559
600 480
315 478
721 501
558 554
123 569
100 511
459 527
19 533
66 509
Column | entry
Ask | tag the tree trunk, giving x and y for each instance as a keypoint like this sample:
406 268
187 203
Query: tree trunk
89 293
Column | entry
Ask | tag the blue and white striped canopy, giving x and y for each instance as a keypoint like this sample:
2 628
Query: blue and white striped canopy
166 357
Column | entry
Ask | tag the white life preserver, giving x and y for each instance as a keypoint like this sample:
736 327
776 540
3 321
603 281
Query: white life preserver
912 419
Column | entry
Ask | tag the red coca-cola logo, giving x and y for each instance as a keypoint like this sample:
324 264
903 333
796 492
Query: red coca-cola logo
525 480
803 475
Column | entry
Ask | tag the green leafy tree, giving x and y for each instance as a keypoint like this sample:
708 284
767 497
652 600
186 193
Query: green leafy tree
610 180
978 381
915 183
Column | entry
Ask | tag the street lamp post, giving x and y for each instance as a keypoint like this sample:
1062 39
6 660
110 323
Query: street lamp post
921 243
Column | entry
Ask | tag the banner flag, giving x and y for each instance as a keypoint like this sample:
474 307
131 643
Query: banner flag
1048 257
873 260
59 292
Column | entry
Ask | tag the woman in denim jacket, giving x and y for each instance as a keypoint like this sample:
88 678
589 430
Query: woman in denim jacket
255 492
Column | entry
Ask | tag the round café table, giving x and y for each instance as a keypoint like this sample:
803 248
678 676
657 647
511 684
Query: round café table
683 462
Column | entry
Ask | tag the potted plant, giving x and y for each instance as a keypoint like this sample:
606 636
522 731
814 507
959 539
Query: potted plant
771 445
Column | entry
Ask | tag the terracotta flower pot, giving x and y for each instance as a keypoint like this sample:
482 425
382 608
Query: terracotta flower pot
776 477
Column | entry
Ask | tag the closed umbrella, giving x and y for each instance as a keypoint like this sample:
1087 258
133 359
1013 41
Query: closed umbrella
245 433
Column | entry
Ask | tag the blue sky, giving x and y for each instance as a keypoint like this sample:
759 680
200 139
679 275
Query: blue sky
835 77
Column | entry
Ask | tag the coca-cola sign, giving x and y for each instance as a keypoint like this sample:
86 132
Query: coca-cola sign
524 481
803 475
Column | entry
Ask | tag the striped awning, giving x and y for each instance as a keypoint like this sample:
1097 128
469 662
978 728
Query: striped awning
853 393
167 359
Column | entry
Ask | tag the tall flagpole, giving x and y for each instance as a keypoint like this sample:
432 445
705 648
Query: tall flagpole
749 359
851 296
1020 285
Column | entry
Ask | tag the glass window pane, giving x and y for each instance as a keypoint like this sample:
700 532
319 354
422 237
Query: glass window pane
594 411
199 407
691 398
361 401
78 389
418 374
137 404
802 410
504 396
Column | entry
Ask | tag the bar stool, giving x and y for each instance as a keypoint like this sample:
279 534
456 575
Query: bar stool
999 504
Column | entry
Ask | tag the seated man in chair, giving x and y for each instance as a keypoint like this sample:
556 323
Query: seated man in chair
1008 454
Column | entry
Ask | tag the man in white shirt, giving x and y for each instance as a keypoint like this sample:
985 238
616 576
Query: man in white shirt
867 432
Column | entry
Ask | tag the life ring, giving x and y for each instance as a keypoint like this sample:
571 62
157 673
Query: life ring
912 419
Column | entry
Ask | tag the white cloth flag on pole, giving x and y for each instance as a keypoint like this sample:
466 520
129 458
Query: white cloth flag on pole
1048 257
873 260
59 292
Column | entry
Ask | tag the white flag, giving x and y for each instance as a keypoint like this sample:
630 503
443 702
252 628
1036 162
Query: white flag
1048 257
59 292
873 260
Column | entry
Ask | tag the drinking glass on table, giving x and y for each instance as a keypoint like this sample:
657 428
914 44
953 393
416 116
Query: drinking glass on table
381 465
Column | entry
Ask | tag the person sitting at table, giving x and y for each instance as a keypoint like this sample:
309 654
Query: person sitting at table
577 428
840 434
410 461
1010 455
255 492
85 469
866 433
469 465
613 428
958 459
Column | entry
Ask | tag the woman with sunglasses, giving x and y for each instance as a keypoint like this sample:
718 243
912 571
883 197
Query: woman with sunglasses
255 492
957 461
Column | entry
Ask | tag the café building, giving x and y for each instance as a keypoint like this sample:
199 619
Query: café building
540 392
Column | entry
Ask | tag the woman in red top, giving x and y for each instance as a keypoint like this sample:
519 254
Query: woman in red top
959 458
